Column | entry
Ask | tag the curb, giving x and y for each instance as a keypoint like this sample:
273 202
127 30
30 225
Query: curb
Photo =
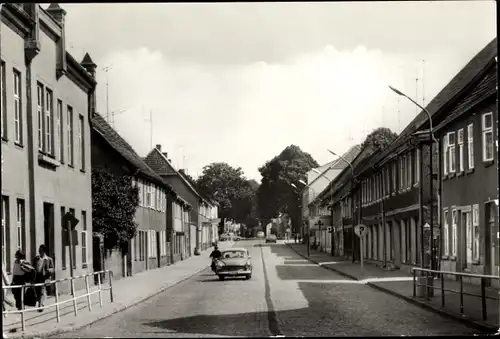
467 320
118 308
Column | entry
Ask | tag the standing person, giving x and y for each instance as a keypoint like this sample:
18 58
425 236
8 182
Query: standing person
21 274
6 282
44 267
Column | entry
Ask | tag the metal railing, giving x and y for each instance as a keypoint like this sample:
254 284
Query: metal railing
58 303
428 273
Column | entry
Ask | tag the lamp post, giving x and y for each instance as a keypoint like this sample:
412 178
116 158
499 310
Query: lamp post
352 201
305 223
433 139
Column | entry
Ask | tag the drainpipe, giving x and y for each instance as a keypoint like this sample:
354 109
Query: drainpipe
382 211
421 206
439 208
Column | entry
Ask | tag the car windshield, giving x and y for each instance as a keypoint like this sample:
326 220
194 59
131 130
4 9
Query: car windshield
234 254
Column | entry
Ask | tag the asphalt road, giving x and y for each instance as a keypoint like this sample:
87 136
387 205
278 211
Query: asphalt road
286 295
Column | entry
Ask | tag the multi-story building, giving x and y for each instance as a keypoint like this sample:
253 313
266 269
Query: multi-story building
392 193
150 247
191 237
317 180
47 99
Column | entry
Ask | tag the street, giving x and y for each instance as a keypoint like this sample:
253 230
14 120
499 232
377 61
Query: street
286 295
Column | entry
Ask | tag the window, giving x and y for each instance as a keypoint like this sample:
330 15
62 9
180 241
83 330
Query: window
394 176
470 146
446 233
417 166
84 238
60 130
401 173
69 118
81 141
39 110
152 244
18 123
487 127
452 156
20 226
409 168
445 154
460 141
63 239
454 233
3 107
148 194
48 126
5 233
388 180
475 233
141 192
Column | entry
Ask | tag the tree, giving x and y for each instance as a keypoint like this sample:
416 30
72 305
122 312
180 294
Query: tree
114 204
380 138
229 188
275 194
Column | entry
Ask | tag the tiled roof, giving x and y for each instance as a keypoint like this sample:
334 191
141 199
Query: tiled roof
445 97
485 88
125 150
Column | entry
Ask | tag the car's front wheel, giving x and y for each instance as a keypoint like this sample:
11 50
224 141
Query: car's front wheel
221 277
248 276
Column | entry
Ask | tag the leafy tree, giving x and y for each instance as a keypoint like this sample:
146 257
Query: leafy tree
114 204
275 194
232 191
380 138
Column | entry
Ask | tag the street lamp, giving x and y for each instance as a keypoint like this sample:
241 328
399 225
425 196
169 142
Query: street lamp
352 201
433 139
305 224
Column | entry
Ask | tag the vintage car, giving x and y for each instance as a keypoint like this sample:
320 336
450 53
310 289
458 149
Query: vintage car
234 262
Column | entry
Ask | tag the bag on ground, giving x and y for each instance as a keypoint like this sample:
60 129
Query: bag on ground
30 297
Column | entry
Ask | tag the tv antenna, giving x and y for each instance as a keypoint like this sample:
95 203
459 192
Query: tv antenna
107 69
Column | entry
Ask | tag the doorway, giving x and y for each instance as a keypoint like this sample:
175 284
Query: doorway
466 220
48 228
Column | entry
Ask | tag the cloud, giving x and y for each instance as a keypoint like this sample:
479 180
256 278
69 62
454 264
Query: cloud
246 114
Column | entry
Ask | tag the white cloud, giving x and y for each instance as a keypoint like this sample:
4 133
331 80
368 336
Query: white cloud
246 114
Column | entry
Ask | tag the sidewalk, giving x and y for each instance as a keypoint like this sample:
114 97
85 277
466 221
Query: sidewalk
400 284
127 292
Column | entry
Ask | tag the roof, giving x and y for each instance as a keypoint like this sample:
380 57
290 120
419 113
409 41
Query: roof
448 94
125 150
175 170
339 163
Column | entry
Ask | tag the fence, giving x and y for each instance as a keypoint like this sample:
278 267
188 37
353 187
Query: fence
428 273
74 298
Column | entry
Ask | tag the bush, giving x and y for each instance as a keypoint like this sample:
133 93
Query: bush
114 204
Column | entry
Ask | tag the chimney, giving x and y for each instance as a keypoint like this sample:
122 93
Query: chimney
170 160
59 15
158 147
89 64
165 154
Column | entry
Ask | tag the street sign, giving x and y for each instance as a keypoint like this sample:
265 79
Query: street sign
360 230
330 229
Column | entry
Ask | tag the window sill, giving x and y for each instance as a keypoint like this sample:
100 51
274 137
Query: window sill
445 257
64 268
47 160
83 171
71 166
475 262
470 170
18 145
488 163
459 174
452 258
5 139
416 185
393 194
85 266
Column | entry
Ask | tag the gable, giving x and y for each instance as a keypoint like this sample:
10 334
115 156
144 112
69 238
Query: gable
159 164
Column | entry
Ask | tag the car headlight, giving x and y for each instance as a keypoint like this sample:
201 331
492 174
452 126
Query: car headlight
220 264
247 266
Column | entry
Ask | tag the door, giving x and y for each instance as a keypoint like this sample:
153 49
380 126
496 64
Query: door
493 230
467 231
48 229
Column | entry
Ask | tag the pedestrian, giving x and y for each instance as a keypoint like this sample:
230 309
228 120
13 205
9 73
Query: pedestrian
44 267
22 273
215 255
296 237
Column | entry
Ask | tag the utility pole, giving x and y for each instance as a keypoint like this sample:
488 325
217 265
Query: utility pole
107 69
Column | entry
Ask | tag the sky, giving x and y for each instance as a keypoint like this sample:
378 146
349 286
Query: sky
238 82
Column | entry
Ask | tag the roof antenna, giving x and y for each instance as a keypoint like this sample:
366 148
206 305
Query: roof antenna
107 69
423 83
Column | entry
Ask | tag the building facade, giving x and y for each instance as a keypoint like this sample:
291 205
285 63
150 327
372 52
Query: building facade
392 193
150 248
46 105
